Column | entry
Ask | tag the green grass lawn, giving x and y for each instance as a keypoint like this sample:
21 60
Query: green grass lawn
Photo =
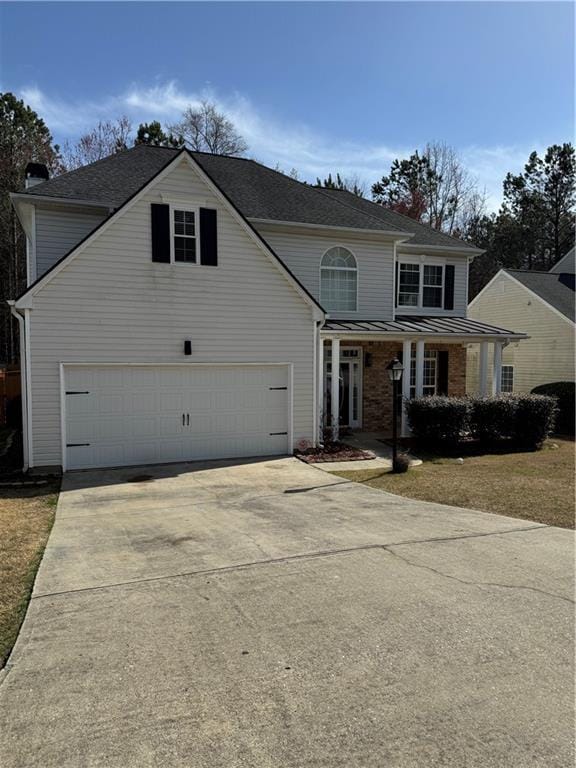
26 517
536 486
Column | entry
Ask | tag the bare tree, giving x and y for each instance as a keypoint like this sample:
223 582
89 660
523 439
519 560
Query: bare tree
455 195
105 139
433 187
205 129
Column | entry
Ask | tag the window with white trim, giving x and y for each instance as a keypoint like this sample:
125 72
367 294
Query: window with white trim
420 285
409 285
184 235
507 378
432 285
430 378
339 280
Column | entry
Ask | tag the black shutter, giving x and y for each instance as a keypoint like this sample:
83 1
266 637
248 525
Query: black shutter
160 232
449 286
208 237
396 286
442 373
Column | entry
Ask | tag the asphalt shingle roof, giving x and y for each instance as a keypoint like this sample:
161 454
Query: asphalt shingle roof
556 288
429 325
257 191
423 234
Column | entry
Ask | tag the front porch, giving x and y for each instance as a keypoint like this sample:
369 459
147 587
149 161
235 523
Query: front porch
361 396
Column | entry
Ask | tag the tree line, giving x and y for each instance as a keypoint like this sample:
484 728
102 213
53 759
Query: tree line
533 228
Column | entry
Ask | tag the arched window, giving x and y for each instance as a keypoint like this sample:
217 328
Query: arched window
338 280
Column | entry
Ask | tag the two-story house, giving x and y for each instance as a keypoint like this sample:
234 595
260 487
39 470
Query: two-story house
186 306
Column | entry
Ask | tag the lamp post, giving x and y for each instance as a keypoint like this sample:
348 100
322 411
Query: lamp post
395 369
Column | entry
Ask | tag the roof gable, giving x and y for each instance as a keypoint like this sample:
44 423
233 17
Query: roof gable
176 158
567 263
555 289
258 192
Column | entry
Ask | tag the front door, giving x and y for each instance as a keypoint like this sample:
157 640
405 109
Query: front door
350 387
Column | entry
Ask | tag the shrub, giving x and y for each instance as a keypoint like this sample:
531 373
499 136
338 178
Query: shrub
524 420
565 392
535 415
438 419
492 418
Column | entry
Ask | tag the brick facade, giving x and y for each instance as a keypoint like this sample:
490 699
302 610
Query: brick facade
377 387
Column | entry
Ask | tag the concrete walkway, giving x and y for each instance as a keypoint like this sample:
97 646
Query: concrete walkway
267 614
366 441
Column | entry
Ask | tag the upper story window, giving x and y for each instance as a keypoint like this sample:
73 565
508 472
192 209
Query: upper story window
420 285
339 280
184 235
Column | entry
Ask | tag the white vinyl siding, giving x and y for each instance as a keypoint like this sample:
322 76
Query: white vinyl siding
547 356
113 304
302 253
58 230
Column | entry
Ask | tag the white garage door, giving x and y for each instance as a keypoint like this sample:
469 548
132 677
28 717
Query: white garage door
122 415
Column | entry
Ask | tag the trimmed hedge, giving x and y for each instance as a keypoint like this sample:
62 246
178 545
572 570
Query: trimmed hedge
438 419
565 392
493 418
524 420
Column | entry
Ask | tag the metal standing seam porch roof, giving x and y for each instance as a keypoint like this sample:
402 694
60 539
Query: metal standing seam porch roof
420 326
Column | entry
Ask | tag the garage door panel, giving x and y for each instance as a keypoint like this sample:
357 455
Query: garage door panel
109 403
145 414
171 401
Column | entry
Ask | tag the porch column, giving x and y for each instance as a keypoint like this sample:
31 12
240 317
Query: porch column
419 368
321 414
497 370
335 393
483 370
407 361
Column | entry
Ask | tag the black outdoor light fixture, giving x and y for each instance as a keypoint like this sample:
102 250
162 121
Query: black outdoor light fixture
187 347
395 370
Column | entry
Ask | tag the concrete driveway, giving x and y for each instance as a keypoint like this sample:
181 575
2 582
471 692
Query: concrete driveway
268 614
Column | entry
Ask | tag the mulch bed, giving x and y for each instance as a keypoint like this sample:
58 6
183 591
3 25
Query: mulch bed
333 452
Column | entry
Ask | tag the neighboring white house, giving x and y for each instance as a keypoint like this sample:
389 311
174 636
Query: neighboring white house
186 306
541 304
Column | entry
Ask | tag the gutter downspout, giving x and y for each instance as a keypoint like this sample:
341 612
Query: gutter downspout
23 322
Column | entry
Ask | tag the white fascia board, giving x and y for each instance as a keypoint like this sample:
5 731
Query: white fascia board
24 213
399 237
22 197
447 249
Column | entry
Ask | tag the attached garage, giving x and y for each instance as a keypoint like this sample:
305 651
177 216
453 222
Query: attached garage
116 415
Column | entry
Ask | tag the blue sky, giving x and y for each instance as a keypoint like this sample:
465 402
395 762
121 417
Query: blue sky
314 86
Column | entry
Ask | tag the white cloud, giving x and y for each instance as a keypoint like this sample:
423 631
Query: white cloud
294 146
